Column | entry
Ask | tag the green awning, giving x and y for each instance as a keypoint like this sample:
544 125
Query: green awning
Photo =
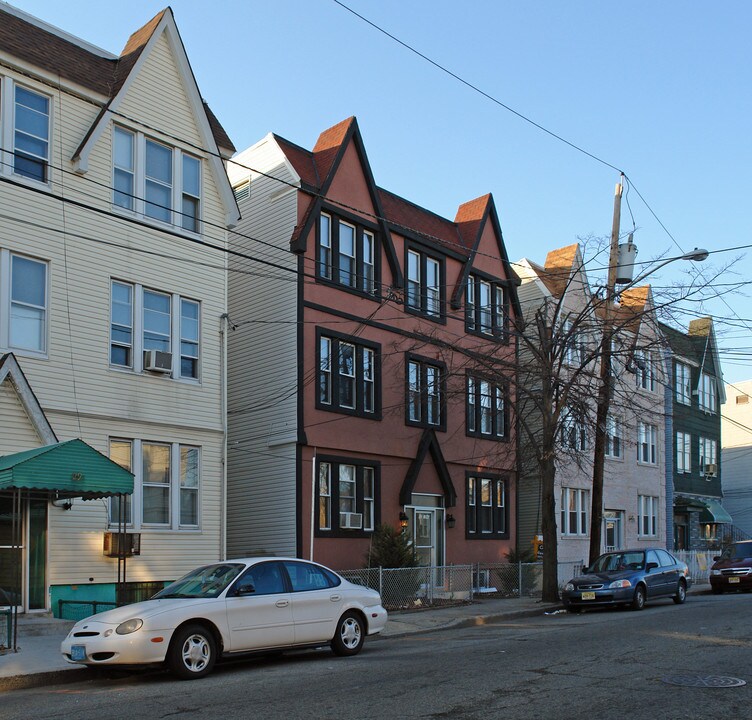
70 469
715 513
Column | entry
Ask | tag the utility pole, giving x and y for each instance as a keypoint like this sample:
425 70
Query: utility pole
604 386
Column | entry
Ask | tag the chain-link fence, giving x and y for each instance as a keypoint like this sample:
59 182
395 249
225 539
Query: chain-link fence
410 588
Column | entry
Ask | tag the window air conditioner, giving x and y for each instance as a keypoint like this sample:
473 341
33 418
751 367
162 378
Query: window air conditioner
711 469
121 544
351 521
157 361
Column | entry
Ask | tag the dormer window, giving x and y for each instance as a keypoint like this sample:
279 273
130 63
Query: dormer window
156 180
346 253
485 308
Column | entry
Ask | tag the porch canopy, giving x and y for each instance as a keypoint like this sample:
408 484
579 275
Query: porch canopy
714 512
67 469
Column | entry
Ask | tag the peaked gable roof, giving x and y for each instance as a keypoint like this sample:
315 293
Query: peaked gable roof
11 370
428 444
56 52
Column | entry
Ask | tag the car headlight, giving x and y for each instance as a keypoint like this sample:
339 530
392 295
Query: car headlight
569 587
715 572
129 626
620 584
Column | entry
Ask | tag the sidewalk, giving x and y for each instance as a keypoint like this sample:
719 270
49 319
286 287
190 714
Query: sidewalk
38 661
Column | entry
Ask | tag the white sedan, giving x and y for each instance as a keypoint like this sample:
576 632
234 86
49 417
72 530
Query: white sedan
228 608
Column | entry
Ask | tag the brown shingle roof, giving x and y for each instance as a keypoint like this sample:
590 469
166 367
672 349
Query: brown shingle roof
103 75
469 218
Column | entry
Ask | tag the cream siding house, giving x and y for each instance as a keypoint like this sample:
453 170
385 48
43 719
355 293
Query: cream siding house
634 495
112 303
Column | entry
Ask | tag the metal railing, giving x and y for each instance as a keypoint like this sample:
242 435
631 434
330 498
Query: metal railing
411 588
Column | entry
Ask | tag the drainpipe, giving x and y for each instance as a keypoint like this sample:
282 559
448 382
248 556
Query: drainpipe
223 323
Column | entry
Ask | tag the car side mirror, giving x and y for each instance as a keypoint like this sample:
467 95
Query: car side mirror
652 566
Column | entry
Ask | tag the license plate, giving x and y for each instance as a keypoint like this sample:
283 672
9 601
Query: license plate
588 596
78 652
733 579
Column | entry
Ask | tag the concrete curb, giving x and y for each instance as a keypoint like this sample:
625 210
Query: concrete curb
49 677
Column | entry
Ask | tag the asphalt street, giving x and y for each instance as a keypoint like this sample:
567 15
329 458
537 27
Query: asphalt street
593 666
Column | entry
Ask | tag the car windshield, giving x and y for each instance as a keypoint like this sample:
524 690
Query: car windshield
614 562
204 582
737 552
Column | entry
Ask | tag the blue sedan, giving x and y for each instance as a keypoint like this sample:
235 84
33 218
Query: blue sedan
628 577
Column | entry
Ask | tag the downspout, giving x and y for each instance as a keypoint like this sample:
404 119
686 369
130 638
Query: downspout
223 322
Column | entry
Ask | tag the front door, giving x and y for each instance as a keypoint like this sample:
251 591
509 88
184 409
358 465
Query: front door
425 537
612 529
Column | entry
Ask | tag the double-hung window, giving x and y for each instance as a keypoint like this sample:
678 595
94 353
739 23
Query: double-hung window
346 253
707 393
425 393
614 437
346 496
647 515
575 510
165 321
574 435
683 383
425 288
24 303
485 408
683 452
708 457
486 507
156 180
348 375
645 370
31 134
167 482
574 349
647 439
485 307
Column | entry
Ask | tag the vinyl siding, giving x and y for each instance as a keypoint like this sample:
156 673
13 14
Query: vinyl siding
262 370
78 391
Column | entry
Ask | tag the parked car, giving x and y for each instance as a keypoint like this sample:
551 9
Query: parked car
230 608
628 577
732 569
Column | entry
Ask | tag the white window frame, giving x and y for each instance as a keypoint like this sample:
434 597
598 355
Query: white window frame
574 434
574 346
683 383
647 516
647 444
138 330
645 370
177 192
424 296
176 488
707 396
683 452
708 455
575 502
7 303
8 87
332 476
614 431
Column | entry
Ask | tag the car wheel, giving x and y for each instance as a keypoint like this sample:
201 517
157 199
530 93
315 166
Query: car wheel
192 652
681 593
638 601
348 640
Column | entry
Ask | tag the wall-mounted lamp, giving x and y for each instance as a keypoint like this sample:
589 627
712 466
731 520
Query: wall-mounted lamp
632 518
450 521
403 520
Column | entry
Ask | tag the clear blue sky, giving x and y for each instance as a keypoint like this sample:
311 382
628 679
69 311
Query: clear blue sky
661 90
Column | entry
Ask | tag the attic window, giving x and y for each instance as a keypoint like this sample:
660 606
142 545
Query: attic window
243 190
